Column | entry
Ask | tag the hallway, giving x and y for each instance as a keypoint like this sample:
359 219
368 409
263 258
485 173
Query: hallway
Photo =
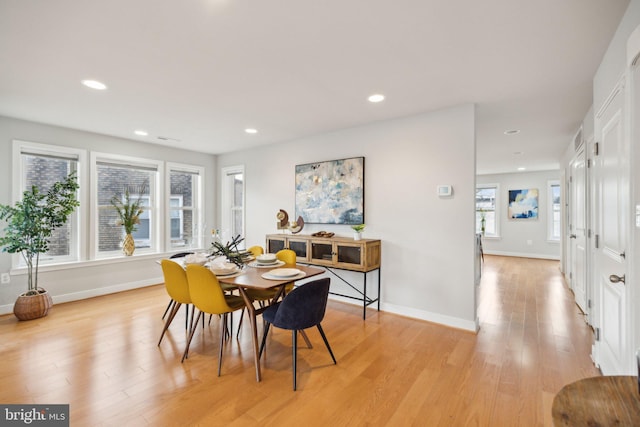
530 323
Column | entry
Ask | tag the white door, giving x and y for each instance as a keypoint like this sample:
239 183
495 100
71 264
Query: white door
578 230
611 169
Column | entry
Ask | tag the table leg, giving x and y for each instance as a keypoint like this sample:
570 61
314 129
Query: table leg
306 338
251 311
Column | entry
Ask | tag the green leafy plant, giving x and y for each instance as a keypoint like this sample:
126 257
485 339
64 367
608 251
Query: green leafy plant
32 220
231 251
358 228
129 210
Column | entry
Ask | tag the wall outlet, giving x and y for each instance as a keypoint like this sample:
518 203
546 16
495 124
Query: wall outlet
5 278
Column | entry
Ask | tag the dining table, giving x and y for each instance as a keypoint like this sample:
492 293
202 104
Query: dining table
259 278
598 401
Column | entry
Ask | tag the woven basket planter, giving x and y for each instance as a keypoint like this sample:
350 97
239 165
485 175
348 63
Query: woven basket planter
28 307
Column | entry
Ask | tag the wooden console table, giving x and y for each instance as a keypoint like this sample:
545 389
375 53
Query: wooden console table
335 253
598 401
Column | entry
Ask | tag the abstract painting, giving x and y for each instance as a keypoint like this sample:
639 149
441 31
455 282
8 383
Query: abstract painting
331 192
523 204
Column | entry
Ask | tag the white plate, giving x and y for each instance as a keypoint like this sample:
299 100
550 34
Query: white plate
272 277
257 264
226 272
267 262
285 272
228 276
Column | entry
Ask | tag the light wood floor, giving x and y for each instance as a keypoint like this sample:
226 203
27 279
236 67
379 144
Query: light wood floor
100 356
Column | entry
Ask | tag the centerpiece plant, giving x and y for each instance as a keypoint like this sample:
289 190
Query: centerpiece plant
30 225
231 251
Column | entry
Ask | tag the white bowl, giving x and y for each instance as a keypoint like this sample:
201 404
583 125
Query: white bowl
266 258
224 269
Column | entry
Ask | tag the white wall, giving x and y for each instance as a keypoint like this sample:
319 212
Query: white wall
514 234
613 63
427 242
86 279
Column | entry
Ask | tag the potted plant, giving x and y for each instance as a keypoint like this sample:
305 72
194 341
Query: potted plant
358 229
129 212
30 224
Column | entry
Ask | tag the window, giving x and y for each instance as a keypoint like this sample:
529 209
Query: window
186 227
487 210
114 177
554 223
43 165
232 202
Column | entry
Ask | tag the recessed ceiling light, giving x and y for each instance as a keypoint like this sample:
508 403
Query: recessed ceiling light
94 84
251 130
522 168
376 98
517 153
141 132
512 132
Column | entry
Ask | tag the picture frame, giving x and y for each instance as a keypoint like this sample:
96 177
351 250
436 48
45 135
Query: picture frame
523 204
330 192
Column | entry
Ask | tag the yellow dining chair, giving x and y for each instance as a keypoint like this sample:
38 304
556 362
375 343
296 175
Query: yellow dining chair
287 256
207 295
172 303
175 282
256 250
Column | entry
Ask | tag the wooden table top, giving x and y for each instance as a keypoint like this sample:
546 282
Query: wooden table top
252 277
598 401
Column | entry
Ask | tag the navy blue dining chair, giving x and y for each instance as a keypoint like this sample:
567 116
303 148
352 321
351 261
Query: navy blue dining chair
300 309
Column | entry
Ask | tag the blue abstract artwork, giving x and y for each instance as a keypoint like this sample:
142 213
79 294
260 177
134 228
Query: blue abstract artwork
331 192
523 204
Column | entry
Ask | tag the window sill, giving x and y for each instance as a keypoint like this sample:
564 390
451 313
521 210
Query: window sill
491 237
17 271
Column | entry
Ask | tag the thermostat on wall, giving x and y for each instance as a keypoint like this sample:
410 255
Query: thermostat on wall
445 190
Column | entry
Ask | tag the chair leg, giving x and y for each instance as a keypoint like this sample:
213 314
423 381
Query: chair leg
223 332
186 317
171 303
294 344
192 331
240 322
264 338
324 337
172 314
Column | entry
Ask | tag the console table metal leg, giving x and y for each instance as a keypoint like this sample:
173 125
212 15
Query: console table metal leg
364 299
379 278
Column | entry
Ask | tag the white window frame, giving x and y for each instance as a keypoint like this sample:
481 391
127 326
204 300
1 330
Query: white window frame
550 222
198 211
76 245
156 232
226 205
498 214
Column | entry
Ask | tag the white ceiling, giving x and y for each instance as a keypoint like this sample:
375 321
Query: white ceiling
201 71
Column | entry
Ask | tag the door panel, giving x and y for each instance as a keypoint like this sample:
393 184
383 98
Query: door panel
579 231
611 169
612 324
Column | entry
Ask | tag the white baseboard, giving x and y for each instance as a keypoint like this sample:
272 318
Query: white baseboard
90 293
391 308
523 255
452 322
